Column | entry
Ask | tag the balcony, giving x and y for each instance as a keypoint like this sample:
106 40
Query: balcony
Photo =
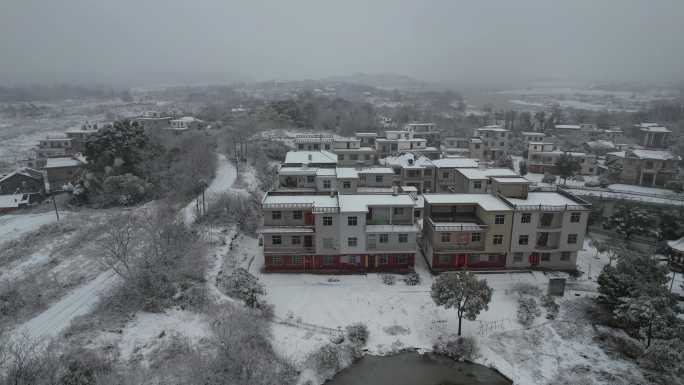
289 249
550 221
456 247
456 224
386 221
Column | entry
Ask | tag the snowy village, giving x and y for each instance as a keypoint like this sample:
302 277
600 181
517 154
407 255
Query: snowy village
289 219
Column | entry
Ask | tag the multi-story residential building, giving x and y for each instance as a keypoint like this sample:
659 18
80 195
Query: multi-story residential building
53 146
152 120
542 158
642 167
314 142
329 233
476 180
350 152
528 136
184 124
367 138
61 171
548 229
493 143
459 146
614 134
427 131
654 135
427 175
314 159
465 231
345 180
79 136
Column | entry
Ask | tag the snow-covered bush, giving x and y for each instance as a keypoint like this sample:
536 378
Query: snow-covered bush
578 178
663 356
675 185
548 178
389 279
617 341
337 338
591 183
524 288
551 306
604 182
396 330
241 284
412 278
457 348
124 190
528 310
357 333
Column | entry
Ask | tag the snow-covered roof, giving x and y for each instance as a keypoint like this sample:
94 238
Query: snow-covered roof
12 201
391 229
187 119
360 203
310 157
475 140
405 160
62 162
297 171
504 180
531 133
568 126
677 244
374 190
496 128
375 170
543 198
600 144
358 149
366 134
347 172
456 163
475 173
486 201
645 154
655 129
278 201
646 125
26 171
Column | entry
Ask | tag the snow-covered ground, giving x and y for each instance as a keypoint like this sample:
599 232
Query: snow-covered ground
13 226
309 307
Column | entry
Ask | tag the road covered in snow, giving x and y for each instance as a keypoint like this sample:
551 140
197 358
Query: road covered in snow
81 300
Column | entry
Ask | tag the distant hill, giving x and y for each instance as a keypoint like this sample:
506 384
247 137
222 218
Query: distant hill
385 81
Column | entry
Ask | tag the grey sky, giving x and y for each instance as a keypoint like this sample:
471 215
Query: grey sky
448 40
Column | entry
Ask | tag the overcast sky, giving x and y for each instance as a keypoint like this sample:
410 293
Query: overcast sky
453 41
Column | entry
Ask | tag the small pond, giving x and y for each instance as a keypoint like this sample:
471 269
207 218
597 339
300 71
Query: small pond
414 369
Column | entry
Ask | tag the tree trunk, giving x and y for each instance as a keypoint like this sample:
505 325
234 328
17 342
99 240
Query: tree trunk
460 318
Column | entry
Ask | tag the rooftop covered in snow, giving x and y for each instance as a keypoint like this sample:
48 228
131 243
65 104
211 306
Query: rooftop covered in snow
486 201
305 157
62 162
545 200
360 203
476 173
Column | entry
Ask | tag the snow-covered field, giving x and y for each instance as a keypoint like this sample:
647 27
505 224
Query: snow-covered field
13 226
401 316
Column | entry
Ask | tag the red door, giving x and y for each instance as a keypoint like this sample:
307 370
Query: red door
534 259
308 262
308 218
461 260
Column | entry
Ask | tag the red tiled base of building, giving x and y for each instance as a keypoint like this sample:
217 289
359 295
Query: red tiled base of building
365 263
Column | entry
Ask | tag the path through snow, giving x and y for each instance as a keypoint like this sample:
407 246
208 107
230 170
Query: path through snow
80 301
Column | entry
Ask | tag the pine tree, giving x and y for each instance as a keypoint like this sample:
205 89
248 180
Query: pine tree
464 292
567 166
630 221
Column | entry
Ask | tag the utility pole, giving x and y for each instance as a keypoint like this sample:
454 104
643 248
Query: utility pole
54 204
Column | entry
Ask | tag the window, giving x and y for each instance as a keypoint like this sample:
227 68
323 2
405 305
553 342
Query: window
499 220
340 157
575 217
473 259
403 238
444 259
297 214
310 179
565 256
477 184
517 257
546 257
297 260
384 260
384 238
352 221
276 215
328 243
402 260
572 238
526 218
351 259
326 183
446 237
523 239
276 260
354 157
346 184
475 237
327 259
352 241
492 258
497 239
276 240
477 146
445 175
379 179
327 221
296 240
427 172
398 211
368 157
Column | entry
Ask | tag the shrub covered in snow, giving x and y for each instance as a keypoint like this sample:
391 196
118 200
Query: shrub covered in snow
412 278
357 333
524 288
675 185
548 178
528 310
618 342
663 356
241 284
457 348
389 279
551 306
